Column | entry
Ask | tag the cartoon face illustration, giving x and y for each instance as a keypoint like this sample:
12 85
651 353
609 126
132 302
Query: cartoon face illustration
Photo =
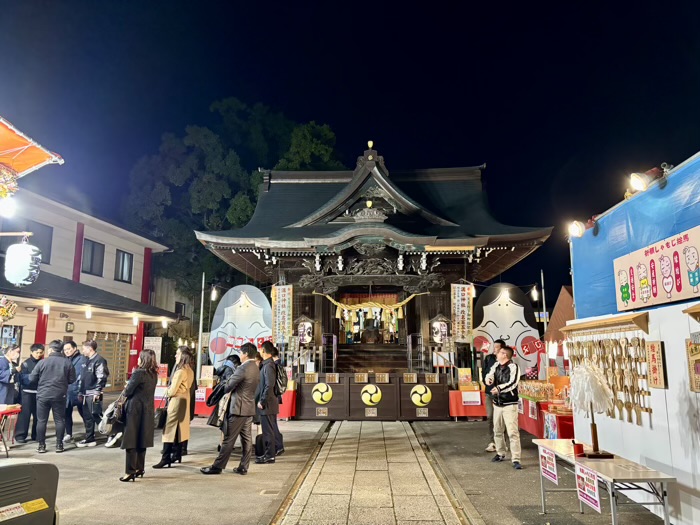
691 257
622 277
665 265
243 315
305 332
642 271
508 316
438 331
691 260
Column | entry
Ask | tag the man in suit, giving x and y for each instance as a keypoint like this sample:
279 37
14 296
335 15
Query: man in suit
241 386
268 406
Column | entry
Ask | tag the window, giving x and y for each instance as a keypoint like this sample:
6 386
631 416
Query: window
93 257
42 238
123 267
180 309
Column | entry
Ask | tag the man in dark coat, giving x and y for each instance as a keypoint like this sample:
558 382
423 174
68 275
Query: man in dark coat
268 406
70 349
241 386
139 426
52 377
28 395
8 376
93 379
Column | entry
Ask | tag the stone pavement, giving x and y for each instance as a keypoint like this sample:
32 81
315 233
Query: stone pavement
371 473
90 492
496 494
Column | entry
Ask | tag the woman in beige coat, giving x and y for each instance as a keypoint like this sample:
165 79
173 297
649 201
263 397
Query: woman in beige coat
177 424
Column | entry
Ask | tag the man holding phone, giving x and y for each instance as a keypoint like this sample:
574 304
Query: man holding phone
93 379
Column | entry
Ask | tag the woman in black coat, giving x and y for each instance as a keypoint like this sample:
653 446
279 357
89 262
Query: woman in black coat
139 426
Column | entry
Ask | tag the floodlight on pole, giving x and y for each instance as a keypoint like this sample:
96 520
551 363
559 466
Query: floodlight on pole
213 293
534 293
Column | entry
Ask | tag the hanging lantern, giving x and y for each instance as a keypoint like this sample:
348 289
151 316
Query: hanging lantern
22 263
338 313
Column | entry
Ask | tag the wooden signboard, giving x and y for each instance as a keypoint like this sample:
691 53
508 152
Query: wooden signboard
311 377
693 351
361 378
381 378
656 373
332 378
410 378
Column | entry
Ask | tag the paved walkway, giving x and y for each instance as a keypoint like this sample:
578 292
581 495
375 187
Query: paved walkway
90 492
371 473
479 484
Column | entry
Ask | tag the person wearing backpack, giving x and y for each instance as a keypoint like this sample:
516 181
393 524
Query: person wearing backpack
280 388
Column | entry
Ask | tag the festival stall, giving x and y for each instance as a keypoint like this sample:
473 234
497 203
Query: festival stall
636 289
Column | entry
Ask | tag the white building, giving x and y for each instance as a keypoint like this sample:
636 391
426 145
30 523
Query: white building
95 283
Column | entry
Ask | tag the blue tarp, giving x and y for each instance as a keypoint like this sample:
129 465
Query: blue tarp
646 218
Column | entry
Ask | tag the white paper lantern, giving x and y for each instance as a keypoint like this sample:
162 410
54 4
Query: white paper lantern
22 264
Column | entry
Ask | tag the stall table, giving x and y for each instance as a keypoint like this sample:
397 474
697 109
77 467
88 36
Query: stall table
616 475
532 419
6 419
458 409
288 408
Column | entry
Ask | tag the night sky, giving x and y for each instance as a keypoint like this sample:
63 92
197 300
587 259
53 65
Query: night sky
560 102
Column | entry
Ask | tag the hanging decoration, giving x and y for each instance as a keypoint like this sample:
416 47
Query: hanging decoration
8 182
22 263
371 306
8 308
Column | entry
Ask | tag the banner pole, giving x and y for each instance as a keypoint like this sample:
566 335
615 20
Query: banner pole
201 326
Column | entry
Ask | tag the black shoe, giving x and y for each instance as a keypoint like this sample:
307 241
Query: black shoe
140 474
21 440
279 452
497 459
163 463
210 470
517 465
240 470
59 447
264 460
42 448
129 477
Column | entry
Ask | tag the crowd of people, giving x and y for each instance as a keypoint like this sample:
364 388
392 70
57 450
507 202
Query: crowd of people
69 378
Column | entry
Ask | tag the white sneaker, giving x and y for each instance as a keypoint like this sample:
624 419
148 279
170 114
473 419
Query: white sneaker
67 438
112 441
491 447
85 443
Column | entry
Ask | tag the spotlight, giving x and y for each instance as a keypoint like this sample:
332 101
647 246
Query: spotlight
164 323
46 308
8 207
135 320
576 229
88 313
213 293
642 181
534 294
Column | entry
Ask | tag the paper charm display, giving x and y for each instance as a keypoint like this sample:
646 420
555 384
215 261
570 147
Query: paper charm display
244 315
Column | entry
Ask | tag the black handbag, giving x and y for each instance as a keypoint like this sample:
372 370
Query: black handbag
120 410
161 416
216 395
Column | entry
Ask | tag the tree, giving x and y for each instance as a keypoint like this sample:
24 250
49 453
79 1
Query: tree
207 180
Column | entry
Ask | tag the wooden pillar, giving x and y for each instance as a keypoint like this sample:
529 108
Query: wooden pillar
424 313
319 318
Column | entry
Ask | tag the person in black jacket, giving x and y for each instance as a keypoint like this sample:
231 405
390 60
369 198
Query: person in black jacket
93 379
139 426
70 350
502 382
8 375
28 395
268 406
52 377
489 361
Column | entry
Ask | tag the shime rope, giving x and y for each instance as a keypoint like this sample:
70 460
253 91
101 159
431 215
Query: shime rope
398 307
